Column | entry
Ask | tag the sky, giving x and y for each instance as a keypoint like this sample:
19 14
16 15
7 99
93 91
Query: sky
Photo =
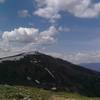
69 29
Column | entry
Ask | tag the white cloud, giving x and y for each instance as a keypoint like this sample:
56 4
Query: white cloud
30 35
48 36
48 13
23 13
7 49
21 35
4 46
26 39
64 29
2 1
50 9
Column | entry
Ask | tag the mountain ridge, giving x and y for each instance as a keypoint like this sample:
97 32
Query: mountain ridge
44 71
93 66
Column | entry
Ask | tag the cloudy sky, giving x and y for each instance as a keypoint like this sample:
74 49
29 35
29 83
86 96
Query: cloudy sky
69 29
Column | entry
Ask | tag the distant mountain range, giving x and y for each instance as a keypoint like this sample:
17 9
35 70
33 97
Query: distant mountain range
44 71
93 66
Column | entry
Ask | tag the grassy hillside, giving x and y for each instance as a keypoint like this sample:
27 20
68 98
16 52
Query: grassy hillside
30 93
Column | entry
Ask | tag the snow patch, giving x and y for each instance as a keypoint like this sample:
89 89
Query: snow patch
38 82
49 72
35 61
53 88
28 78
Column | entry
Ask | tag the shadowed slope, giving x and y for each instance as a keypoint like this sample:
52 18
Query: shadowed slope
36 69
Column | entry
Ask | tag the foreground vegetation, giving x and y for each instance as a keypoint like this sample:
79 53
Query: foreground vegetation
30 93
